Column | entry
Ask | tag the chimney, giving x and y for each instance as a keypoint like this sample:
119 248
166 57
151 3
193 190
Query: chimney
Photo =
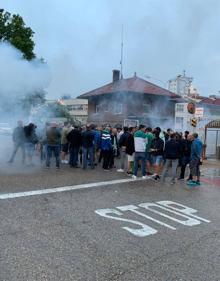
116 75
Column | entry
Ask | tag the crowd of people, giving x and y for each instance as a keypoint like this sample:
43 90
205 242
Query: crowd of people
150 150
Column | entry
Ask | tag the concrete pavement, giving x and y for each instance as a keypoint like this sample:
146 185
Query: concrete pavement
119 231
62 236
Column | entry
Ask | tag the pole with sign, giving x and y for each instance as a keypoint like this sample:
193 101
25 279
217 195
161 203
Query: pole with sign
199 112
192 109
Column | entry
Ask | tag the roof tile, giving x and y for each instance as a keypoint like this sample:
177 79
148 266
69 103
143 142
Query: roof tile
134 84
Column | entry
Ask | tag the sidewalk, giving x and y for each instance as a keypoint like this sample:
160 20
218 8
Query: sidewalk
212 161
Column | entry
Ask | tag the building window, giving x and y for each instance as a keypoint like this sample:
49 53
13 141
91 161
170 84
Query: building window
77 107
179 123
118 108
146 108
180 108
98 108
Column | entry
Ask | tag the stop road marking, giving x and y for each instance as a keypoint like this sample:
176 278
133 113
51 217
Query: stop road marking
186 216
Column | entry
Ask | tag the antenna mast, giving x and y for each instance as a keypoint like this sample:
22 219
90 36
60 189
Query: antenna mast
122 46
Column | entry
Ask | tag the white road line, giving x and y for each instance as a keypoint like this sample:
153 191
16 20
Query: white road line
64 188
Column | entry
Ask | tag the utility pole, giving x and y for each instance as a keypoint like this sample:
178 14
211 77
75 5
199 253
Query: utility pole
122 46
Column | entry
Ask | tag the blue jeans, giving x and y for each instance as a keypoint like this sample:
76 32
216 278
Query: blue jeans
74 155
140 156
88 152
56 150
157 159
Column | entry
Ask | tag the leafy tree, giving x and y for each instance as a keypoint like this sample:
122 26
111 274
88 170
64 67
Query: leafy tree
60 110
33 100
14 31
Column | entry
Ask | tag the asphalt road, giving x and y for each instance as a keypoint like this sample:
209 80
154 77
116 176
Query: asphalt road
69 235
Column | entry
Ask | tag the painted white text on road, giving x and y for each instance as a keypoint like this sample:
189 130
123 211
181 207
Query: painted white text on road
172 211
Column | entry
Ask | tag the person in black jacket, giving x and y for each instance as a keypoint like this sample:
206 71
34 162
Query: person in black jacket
75 140
114 149
172 153
130 150
31 140
156 151
88 147
186 152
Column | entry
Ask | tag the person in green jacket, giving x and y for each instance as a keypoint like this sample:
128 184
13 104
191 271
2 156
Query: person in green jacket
150 138
140 141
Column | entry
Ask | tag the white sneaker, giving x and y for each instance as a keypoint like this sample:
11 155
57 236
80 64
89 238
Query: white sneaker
120 170
144 177
134 177
63 161
66 162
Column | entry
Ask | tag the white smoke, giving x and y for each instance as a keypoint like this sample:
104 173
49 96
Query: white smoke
19 77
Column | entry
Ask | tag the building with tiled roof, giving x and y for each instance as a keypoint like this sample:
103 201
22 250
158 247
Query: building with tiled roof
129 101
211 101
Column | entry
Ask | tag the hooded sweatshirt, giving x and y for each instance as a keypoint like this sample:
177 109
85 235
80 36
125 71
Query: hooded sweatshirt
106 142
140 141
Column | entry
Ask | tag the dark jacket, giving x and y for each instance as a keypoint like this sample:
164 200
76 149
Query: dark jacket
186 147
123 139
172 149
158 144
30 135
74 138
53 136
130 145
87 139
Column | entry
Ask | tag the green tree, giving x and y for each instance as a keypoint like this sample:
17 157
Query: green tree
14 31
33 100
60 110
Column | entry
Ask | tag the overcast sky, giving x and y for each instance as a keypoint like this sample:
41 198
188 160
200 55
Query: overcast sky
80 40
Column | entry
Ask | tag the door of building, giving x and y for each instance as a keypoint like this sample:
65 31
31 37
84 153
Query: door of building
212 137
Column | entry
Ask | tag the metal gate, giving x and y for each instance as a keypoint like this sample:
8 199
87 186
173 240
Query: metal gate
212 137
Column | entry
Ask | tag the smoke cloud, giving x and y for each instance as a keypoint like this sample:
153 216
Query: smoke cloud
19 77
161 38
